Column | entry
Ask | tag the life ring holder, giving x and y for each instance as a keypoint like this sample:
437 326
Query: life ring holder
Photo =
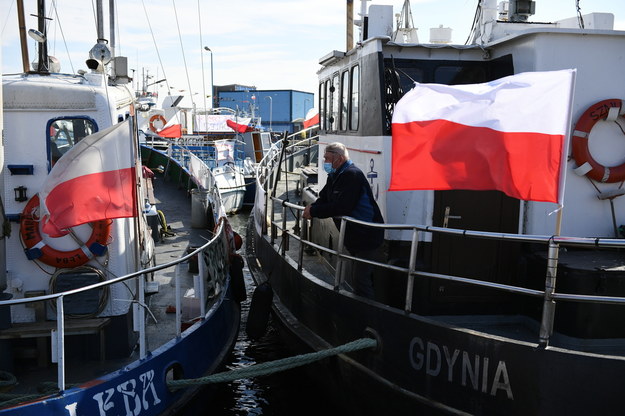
154 118
608 110
36 249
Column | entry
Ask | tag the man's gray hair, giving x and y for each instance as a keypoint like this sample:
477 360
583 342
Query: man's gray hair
338 148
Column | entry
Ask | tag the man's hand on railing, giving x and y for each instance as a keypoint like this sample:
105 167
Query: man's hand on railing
306 213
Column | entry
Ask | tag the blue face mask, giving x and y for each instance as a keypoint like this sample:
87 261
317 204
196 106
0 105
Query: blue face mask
327 166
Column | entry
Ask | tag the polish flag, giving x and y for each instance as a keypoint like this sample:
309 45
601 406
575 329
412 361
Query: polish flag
239 128
507 135
312 118
173 132
94 180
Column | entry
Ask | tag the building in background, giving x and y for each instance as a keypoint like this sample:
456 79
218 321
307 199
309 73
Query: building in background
279 110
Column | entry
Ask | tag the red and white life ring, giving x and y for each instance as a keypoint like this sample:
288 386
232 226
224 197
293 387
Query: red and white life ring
155 118
603 110
36 248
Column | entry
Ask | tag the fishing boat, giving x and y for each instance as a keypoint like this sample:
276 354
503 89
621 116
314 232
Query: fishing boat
113 283
485 303
227 141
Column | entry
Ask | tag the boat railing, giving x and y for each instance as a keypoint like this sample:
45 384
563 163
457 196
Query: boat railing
279 229
58 335
212 249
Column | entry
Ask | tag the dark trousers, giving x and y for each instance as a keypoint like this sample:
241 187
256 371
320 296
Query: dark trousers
359 275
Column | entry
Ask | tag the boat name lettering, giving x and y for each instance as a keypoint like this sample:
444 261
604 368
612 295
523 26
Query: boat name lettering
134 401
472 369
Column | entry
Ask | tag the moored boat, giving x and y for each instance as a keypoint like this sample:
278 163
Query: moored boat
467 314
228 142
99 299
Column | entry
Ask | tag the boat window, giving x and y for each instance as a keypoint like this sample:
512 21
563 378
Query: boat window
334 103
401 74
64 133
322 105
455 75
344 99
355 88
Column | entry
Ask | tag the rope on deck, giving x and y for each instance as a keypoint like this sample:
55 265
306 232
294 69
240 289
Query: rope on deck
276 366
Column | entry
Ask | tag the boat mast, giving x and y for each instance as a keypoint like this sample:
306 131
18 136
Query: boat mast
112 34
43 65
22 26
350 25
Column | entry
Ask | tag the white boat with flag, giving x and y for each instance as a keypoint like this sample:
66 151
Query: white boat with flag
113 286
230 142
498 167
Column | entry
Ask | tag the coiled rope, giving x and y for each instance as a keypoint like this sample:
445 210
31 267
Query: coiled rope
276 366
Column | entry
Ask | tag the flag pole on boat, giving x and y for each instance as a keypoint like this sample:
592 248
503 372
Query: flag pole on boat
549 305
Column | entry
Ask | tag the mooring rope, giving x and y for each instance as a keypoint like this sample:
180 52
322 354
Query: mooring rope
271 367
276 366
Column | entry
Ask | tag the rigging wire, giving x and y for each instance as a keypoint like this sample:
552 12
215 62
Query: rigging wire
95 18
60 26
184 59
118 43
158 54
6 21
199 17
580 19
476 18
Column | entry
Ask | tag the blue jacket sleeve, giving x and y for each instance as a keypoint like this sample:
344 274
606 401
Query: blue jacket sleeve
338 198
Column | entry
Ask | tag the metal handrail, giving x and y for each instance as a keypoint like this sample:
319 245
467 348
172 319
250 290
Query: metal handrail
60 331
60 315
554 242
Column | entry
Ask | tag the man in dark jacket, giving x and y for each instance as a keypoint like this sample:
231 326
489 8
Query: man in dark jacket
348 193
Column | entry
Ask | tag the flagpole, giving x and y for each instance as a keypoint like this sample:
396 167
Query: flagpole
549 305
134 151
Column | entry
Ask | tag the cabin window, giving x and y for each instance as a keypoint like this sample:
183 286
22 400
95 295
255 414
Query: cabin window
354 88
344 99
323 108
334 103
401 74
64 133
456 75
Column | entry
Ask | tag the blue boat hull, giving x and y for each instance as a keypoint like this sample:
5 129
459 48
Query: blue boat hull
141 387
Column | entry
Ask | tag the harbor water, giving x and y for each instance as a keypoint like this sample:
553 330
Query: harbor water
288 392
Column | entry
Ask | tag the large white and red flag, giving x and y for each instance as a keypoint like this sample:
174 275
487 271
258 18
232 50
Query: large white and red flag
94 180
507 135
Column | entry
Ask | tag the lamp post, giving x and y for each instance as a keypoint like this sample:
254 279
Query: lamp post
270 110
206 48
306 108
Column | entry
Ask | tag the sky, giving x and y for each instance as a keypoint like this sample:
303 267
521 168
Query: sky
269 44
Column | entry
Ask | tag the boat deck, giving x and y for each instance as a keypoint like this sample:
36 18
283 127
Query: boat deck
31 361
320 266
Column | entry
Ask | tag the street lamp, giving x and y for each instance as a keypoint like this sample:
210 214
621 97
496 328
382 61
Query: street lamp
305 107
206 48
270 110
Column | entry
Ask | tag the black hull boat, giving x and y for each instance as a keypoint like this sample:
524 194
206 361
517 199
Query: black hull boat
432 363
482 305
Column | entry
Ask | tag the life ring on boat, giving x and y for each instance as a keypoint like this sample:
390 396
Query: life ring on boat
37 249
155 118
608 110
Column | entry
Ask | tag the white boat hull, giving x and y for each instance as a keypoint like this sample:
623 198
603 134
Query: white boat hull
231 184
